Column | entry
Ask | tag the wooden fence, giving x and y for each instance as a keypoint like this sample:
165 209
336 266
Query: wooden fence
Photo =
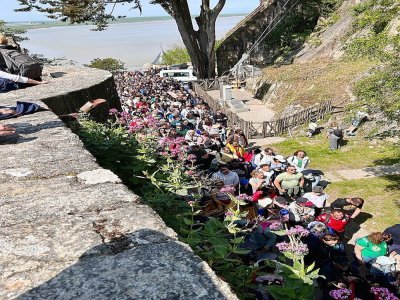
261 129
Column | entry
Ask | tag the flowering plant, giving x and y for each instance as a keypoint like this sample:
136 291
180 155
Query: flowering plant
383 294
228 190
297 276
340 294
244 197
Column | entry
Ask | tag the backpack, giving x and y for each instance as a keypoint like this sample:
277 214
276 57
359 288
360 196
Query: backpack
338 132
21 64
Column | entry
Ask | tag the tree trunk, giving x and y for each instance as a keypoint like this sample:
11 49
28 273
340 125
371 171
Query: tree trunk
199 43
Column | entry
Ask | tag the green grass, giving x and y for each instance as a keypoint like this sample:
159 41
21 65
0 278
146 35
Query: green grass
314 82
382 194
357 153
382 199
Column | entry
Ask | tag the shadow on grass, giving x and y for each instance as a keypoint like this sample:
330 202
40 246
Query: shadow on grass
387 161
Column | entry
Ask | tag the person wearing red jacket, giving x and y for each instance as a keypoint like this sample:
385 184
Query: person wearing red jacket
335 220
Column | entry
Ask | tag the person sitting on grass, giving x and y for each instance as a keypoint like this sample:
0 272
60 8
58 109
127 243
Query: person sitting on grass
351 206
299 160
318 198
368 248
290 183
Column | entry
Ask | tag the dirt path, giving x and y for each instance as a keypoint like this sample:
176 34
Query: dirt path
369 172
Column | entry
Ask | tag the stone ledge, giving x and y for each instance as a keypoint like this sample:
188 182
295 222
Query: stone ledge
67 93
62 237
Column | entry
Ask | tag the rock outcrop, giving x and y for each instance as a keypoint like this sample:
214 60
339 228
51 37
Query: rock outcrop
69 229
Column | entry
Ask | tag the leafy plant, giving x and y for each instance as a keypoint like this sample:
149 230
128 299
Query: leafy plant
298 278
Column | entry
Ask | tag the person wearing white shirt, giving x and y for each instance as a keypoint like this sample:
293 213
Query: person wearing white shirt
6 80
264 157
318 198
299 160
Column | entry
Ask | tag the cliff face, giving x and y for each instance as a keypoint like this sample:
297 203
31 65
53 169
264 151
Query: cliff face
68 228
242 37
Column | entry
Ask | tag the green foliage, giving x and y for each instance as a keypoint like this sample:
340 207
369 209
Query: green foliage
179 55
297 26
375 15
176 56
164 186
109 64
380 91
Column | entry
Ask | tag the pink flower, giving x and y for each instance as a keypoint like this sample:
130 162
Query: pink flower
113 111
276 226
244 197
192 157
228 190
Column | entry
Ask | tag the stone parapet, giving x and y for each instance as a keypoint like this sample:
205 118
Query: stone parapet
69 229
69 89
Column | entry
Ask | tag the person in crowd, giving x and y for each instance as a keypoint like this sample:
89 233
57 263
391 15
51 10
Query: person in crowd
265 156
236 149
301 211
222 199
299 160
257 180
368 248
220 118
278 164
260 242
227 176
312 127
351 206
318 198
290 183
268 173
336 220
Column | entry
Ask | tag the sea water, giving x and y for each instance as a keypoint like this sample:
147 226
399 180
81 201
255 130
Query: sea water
133 43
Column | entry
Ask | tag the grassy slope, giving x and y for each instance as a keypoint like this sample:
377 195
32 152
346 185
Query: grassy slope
316 81
382 194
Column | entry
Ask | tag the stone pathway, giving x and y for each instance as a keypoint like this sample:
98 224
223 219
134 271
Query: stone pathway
258 112
369 172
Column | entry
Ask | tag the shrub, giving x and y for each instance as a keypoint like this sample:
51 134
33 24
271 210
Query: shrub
109 64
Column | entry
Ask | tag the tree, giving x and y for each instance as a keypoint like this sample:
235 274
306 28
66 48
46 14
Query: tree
109 64
199 42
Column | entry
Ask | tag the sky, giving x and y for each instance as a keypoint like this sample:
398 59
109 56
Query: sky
8 14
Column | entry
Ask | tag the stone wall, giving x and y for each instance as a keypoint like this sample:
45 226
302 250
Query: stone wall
68 228
241 38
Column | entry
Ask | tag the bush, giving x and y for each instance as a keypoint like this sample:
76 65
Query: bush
381 90
176 56
109 64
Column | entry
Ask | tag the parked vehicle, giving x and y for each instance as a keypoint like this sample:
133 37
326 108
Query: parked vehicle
183 75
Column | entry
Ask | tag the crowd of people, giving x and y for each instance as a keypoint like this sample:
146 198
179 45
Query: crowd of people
274 187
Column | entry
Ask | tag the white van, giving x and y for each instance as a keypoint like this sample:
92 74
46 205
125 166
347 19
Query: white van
184 75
